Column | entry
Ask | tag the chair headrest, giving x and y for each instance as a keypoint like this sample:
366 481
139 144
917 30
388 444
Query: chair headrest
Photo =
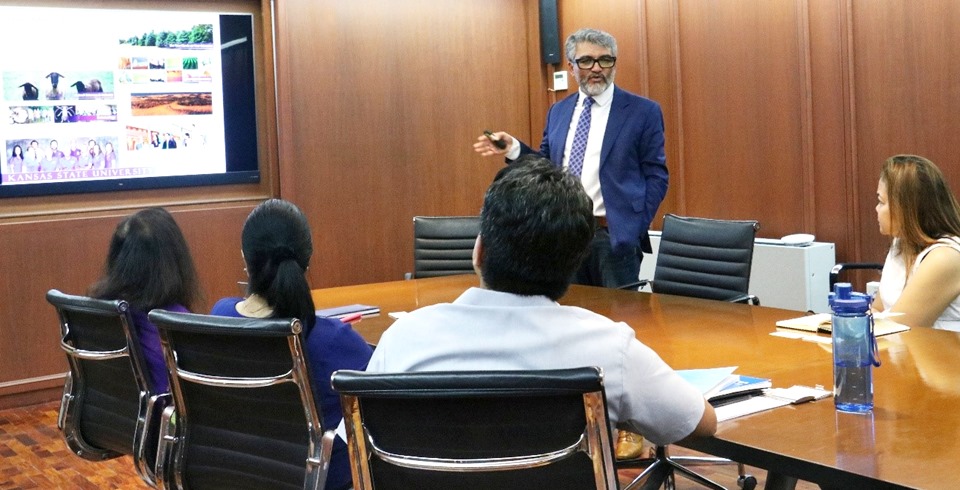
469 383
210 324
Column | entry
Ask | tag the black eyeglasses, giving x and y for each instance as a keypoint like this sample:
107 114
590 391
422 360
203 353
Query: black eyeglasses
586 62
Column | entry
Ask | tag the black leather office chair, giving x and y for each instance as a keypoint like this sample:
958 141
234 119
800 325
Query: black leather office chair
443 245
477 429
701 258
244 414
109 407
705 258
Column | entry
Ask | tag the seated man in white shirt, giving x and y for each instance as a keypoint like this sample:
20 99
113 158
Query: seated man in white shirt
536 225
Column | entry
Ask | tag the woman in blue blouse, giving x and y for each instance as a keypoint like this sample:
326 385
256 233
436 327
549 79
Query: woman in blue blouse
277 245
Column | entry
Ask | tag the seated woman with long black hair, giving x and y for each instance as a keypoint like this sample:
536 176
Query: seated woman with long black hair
277 246
149 265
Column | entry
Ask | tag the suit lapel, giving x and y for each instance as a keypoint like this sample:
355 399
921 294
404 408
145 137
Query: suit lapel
564 119
619 109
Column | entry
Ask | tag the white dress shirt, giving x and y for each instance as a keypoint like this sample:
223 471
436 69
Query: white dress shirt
590 176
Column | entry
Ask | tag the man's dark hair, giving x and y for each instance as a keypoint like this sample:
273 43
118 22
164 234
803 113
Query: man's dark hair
535 227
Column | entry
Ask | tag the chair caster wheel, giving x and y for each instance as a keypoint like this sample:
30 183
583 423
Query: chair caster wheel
747 482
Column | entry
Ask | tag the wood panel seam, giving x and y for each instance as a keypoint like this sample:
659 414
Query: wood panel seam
642 43
681 161
850 123
806 119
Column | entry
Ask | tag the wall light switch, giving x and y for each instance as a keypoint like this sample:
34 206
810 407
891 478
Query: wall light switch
559 80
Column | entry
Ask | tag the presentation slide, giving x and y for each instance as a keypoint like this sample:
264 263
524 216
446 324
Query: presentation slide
100 94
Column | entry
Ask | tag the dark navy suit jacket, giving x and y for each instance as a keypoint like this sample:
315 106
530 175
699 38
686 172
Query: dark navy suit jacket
633 165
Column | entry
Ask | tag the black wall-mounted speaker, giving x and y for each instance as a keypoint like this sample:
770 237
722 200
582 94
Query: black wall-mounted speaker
549 32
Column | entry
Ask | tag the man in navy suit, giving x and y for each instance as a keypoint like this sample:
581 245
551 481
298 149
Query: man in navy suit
613 140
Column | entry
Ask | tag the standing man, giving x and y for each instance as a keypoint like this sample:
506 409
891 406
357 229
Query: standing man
613 141
535 227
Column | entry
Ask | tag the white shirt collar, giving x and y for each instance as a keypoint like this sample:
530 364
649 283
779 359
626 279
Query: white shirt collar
603 99
487 297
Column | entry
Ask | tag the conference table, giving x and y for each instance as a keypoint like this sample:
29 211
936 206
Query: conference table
910 440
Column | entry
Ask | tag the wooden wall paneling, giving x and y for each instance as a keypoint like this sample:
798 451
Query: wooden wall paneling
742 78
622 20
68 254
806 118
215 249
783 111
385 100
834 188
541 93
37 257
663 48
907 95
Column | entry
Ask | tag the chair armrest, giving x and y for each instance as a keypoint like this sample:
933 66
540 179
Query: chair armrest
147 438
842 266
166 445
635 286
318 462
748 299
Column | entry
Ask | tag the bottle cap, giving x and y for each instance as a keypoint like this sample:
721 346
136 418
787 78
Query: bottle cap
844 300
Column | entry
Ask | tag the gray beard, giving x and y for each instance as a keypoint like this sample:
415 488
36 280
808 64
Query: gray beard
595 90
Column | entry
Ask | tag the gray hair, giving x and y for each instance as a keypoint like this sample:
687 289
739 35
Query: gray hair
592 36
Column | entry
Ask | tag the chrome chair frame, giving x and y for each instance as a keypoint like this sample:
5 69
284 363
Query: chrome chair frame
175 422
595 440
660 471
149 403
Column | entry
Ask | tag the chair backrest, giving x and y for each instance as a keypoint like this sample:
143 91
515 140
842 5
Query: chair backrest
704 258
107 400
245 411
477 429
443 245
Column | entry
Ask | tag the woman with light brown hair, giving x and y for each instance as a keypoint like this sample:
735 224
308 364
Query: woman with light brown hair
921 276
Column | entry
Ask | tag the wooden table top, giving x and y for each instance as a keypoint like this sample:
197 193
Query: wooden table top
910 439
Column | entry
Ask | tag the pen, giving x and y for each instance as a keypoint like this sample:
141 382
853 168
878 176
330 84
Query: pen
352 318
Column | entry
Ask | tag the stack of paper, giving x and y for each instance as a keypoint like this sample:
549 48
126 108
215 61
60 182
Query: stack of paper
734 395
748 406
720 383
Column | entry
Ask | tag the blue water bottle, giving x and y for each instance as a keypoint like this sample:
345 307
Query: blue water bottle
854 350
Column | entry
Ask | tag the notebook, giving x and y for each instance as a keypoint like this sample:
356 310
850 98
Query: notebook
821 322
769 399
345 311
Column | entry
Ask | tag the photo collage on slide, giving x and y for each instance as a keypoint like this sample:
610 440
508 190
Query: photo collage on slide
139 97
